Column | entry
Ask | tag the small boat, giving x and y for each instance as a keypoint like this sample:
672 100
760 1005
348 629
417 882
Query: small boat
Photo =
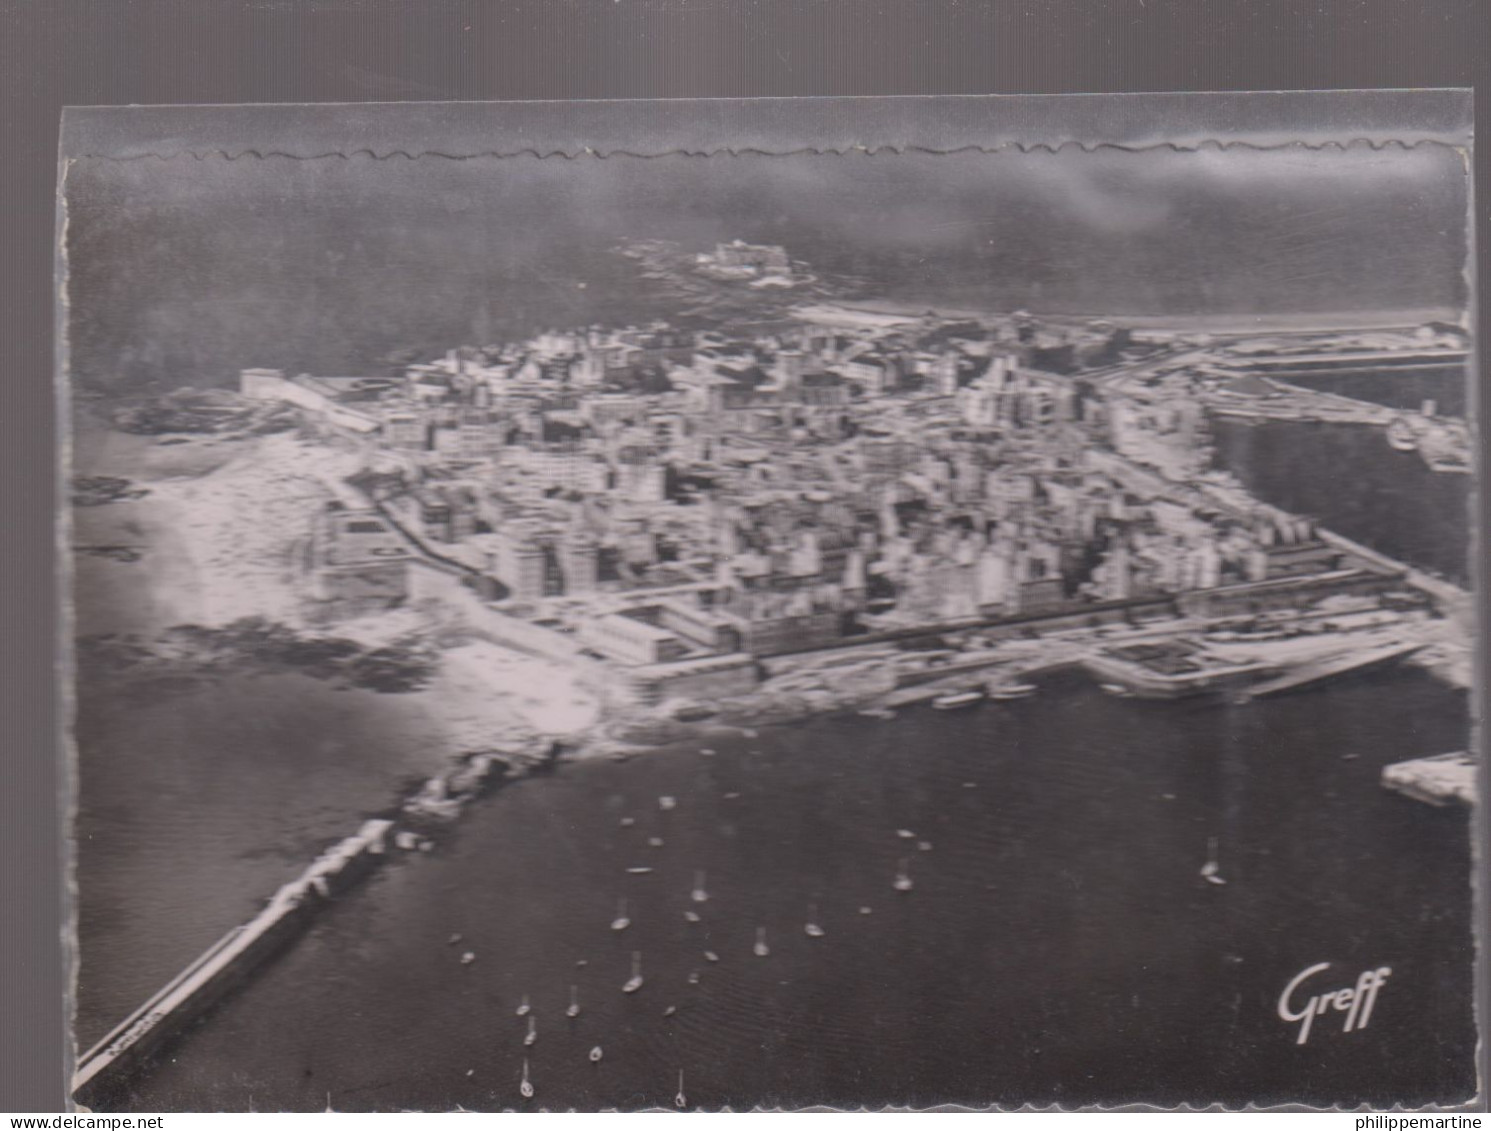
680 1100
711 956
731 796
621 922
526 1087
638 871
865 910
706 752
573 1008
654 842
1007 691
530 1038
811 927
670 1011
760 949
627 822
903 879
1117 690
468 958
924 846
877 713
693 978
905 834
634 983
523 1007
596 1054
666 803
699 895
1209 870
453 939
956 700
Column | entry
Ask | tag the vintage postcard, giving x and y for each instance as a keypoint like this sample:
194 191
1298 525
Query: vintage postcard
768 604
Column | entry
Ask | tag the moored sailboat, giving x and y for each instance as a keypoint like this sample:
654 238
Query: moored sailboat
634 983
1210 870
811 927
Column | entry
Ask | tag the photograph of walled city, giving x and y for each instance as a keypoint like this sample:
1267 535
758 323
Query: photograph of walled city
980 628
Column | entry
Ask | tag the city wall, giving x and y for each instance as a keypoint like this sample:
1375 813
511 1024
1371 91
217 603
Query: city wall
525 636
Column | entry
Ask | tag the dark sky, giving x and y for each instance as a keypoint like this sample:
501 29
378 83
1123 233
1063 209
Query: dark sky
184 270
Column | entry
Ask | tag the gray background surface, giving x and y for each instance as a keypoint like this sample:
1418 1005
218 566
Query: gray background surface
650 127
99 52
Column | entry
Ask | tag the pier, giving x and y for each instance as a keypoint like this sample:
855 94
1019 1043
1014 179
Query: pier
1329 667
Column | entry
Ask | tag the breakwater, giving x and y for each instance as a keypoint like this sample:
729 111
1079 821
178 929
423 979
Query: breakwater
225 964
228 963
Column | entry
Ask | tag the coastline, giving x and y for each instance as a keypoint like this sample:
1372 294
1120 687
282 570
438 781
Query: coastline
480 710
1248 324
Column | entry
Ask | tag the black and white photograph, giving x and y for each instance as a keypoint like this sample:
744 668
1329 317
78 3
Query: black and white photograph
882 602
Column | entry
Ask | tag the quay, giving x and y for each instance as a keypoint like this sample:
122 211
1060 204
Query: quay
1350 362
1439 780
1449 599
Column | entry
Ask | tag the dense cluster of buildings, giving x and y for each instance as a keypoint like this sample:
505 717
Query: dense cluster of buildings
664 496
